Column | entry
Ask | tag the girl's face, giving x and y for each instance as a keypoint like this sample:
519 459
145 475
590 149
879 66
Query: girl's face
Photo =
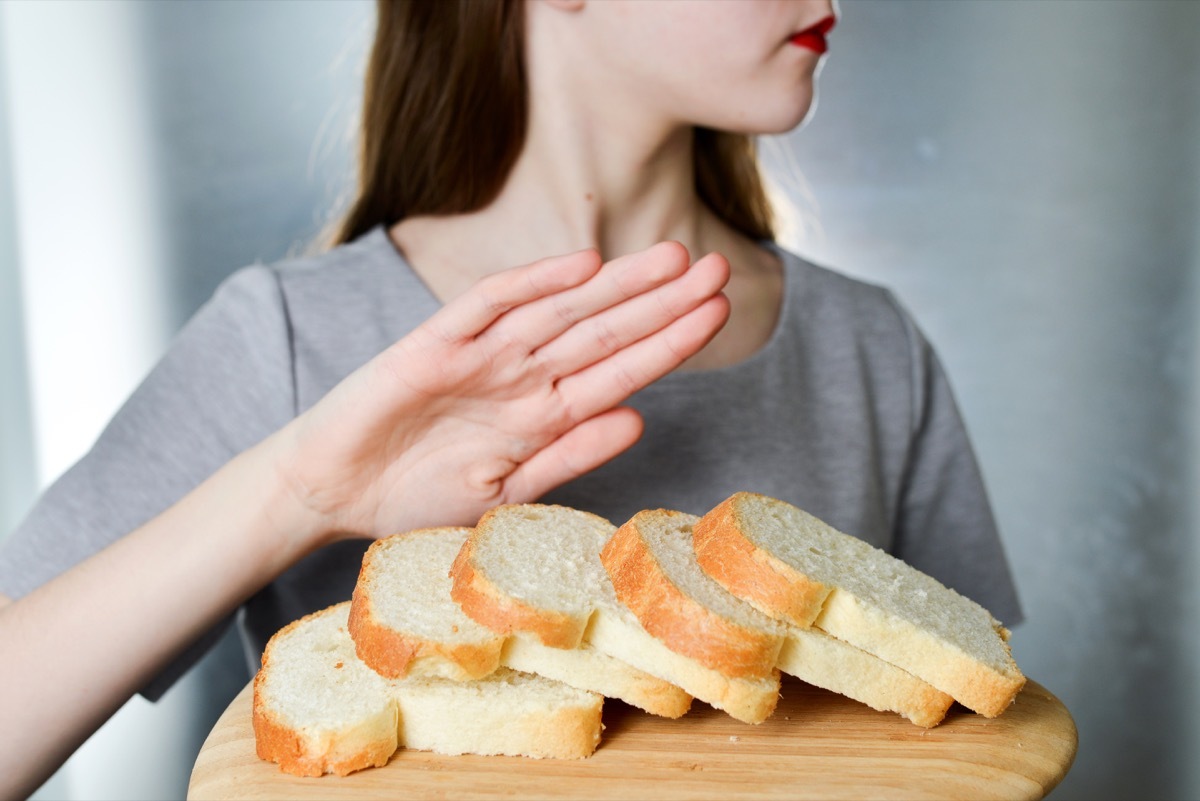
738 65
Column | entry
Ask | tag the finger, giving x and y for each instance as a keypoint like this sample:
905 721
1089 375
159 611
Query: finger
620 326
617 281
492 297
581 450
612 380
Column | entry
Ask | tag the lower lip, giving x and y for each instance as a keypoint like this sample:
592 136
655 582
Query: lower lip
811 40
813 37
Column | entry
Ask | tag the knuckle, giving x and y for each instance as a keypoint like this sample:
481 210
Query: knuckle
561 415
608 339
668 307
626 381
561 418
490 293
628 283
565 312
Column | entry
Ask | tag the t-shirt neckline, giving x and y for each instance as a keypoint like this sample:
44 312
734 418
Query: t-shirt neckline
752 362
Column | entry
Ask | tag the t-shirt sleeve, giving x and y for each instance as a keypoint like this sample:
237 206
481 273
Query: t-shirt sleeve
945 525
225 383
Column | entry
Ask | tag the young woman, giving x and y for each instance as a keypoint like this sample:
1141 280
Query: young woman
410 377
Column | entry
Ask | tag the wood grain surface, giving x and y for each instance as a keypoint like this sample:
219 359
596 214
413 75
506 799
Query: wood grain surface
818 745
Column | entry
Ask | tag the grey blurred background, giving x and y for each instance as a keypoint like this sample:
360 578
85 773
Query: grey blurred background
1025 175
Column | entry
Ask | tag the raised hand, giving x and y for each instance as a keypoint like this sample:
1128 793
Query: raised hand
508 391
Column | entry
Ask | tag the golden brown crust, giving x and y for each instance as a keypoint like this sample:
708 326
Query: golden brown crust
752 574
383 649
484 603
678 621
926 710
1004 687
654 695
981 690
275 742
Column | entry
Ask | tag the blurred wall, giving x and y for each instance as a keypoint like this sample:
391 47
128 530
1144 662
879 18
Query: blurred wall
146 151
17 465
1025 175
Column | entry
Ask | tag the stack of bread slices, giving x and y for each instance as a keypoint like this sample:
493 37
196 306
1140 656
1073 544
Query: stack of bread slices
506 638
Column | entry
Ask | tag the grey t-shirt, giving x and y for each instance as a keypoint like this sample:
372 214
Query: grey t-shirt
845 412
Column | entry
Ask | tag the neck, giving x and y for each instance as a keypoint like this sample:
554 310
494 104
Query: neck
599 169
606 187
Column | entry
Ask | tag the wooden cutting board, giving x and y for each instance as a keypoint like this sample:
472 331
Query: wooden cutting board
818 745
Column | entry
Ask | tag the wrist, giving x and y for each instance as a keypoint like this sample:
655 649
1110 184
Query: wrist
297 527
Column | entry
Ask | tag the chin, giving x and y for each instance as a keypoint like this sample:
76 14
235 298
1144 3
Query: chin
779 120
789 123
769 113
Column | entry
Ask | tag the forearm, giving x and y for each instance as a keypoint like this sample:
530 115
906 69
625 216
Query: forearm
80 646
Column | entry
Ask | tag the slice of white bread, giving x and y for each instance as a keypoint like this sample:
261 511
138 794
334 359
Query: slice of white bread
318 709
791 565
402 618
654 574
536 569
405 623
526 568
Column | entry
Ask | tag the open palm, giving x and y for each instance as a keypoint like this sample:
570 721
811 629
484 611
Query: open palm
508 391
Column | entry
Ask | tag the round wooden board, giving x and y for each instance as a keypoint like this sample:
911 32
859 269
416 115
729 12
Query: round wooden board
818 745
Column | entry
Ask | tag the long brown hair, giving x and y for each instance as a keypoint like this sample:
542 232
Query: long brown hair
445 110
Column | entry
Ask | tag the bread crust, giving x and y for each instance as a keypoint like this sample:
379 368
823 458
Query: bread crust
770 585
681 623
381 648
484 603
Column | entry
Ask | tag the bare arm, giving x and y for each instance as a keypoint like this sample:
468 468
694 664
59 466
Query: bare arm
78 647
504 394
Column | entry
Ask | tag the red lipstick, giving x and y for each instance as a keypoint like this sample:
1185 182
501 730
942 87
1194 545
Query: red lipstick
813 37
